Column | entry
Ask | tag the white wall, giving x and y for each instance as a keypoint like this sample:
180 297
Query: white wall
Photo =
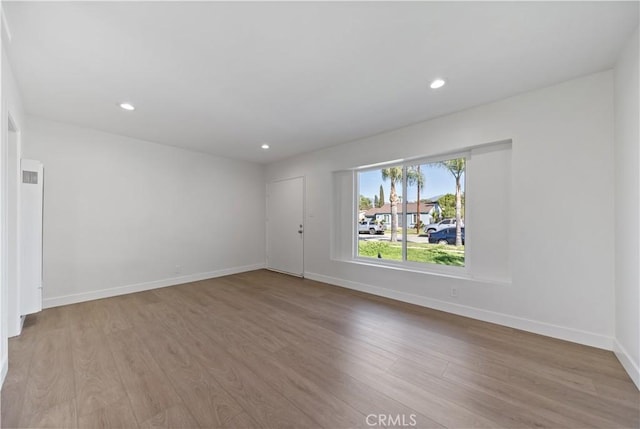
120 214
11 104
561 266
627 210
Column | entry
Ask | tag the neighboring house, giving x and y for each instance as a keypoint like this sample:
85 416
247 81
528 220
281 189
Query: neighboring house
428 212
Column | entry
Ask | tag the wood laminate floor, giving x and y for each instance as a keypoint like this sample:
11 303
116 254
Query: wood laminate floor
262 349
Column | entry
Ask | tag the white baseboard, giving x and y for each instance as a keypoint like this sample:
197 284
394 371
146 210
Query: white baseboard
542 328
4 369
140 287
627 363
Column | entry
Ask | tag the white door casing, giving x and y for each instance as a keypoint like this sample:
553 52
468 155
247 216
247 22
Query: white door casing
285 226
13 231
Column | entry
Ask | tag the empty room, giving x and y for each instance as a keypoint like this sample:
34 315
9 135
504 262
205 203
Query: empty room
319 214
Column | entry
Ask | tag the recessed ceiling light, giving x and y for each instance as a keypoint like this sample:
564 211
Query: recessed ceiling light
265 146
127 106
438 83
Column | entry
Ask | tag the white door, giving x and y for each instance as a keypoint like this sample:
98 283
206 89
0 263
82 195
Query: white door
31 194
285 226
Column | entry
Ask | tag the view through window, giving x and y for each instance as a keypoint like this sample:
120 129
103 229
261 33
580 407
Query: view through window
413 213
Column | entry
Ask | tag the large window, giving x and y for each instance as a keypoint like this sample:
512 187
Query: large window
413 213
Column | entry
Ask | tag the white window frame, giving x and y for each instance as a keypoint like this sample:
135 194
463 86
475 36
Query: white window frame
404 264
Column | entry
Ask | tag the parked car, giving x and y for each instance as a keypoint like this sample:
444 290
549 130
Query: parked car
371 226
445 236
445 223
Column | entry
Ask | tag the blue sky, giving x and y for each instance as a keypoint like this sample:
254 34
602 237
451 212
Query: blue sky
438 181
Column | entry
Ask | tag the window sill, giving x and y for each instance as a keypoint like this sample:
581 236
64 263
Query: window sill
459 273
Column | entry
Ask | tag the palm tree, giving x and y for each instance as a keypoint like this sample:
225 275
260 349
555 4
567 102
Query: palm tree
415 177
394 174
456 168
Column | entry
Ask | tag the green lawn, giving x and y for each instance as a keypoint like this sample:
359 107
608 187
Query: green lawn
417 252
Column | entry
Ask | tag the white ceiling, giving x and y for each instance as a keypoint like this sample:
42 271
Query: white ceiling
225 77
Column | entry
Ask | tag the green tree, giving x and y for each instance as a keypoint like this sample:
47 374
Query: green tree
381 197
375 201
456 168
448 205
365 203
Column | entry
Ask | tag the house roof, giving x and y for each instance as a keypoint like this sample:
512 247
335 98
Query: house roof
434 198
425 208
